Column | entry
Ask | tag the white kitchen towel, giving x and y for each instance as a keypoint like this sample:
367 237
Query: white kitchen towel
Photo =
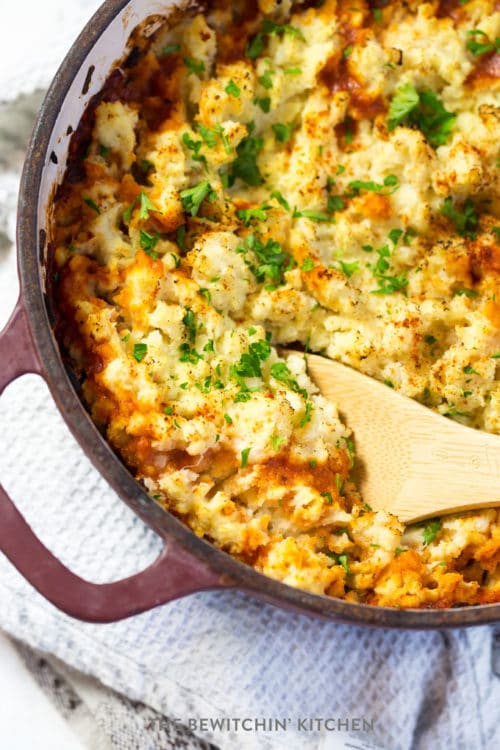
212 656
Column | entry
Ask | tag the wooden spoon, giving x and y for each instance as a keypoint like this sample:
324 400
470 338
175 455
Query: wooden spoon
410 460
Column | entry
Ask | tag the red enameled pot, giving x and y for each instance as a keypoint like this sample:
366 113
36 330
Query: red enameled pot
27 344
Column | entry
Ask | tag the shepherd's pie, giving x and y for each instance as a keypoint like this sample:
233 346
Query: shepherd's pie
316 174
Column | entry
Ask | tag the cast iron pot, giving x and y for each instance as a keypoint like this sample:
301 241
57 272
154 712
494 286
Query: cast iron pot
27 344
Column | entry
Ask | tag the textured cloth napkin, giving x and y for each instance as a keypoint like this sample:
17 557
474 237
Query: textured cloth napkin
211 656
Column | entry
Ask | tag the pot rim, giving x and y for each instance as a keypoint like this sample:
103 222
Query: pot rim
236 574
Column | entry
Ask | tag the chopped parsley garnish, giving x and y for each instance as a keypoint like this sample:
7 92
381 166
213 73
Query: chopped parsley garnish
479 42
430 339
454 412
265 79
470 371
466 221
422 110
169 49
307 414
146 205
395 235
389 383
283 202
377 15
233 89
194 66
312 215
496 355
335 203
465 293
190 323
248 365
192 198
293 71
328 497
270 28
148 243
340 560
140 350
245 165
347 52
103 150
431 531
391 181
195 147
264 103
281 372
272 261
277 442
307 264
92 205
189 355
283 132
496 230
405 101
211 136
391 284
228 419
244 457
259 213
348 268
209 346
387 284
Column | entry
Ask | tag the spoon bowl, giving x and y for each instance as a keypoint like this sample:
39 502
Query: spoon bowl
410 461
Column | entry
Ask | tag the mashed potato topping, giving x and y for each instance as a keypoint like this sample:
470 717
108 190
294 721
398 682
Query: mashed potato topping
315 173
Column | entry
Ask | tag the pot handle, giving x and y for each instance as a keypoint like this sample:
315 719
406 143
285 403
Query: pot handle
175 573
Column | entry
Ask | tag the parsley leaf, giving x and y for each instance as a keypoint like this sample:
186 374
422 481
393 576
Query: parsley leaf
233 89
348 268
245 165
466 221
422 110
190 323
375 187
244 457
146 206
211 136
264 104
247 214
312 215
465 293
195 147
169 49
270 28
431 531
92 205
140 350
283 132
148 243
481 47
284 203
404 102
272 261
281 372
192 198
307 264
194 66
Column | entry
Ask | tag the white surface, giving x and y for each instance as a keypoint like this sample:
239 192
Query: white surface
27 718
